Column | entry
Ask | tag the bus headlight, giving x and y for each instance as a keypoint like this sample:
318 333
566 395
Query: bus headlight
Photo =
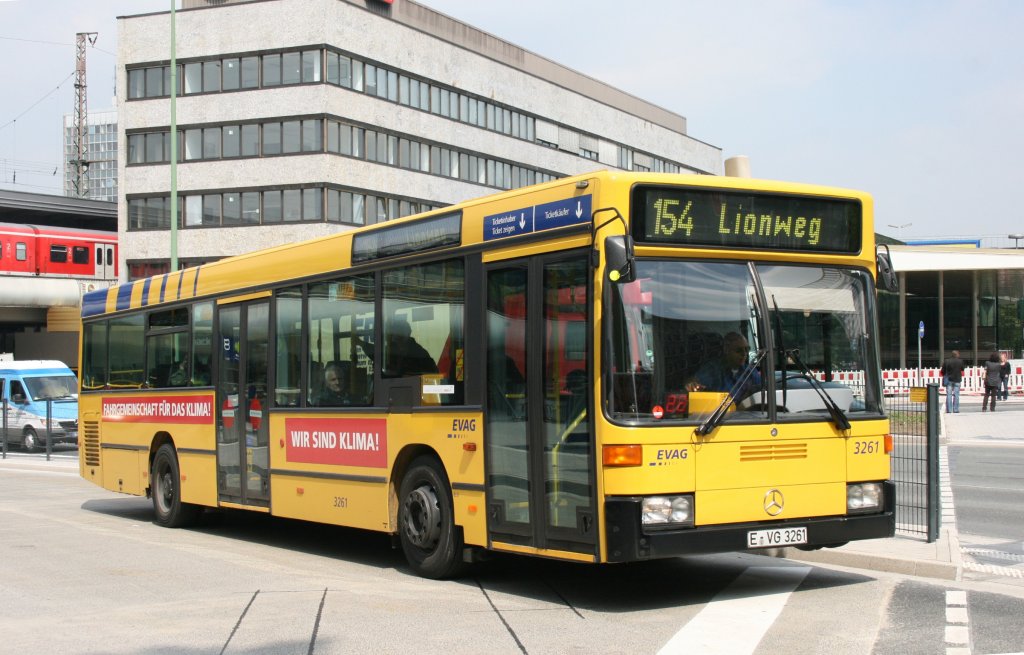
863 497
667 511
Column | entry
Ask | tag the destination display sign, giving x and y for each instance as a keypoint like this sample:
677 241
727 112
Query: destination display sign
746 219
537 218
408 238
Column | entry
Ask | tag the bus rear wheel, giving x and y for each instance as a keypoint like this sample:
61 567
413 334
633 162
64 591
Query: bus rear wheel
165 479
431 541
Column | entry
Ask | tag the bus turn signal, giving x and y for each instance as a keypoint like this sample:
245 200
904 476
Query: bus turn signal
623 455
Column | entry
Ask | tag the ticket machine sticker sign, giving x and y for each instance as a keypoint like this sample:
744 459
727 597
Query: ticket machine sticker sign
340 441
537 218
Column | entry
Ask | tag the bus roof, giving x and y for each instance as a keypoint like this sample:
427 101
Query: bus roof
323 255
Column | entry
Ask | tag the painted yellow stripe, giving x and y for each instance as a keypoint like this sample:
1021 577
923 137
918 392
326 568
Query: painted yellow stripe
188 283
136 299
173 280
112 299
154 291
544 552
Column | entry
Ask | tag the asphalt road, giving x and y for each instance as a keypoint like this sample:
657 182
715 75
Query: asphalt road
88 572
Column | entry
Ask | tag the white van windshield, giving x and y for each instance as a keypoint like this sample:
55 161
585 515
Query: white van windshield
52 387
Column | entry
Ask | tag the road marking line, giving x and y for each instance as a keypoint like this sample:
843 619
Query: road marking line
958 637
754 600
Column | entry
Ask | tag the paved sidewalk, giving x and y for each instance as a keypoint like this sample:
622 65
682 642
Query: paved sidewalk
913 555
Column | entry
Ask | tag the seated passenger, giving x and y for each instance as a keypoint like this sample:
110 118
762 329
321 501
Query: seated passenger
723 373
179 375
335 392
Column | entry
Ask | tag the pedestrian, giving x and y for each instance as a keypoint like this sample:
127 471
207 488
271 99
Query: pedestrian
953 375
1004 376
992 369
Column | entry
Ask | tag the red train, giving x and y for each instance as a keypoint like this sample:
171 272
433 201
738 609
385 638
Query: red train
45 251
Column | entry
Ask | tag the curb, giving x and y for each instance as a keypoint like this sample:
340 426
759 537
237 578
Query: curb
875 562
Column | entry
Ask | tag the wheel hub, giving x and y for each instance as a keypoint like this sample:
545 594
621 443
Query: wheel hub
166 489
422 516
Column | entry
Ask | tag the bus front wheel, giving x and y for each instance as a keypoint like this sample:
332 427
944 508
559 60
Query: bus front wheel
165 479
426 525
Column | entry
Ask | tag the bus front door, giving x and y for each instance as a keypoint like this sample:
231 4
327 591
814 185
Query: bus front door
243 473
541 467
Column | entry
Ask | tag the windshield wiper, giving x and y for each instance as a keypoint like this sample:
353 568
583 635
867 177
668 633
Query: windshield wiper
716 416
838 417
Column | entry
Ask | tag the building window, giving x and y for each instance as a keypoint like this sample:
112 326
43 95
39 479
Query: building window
250 140
250 72
271 138
211 76
271 70
193 77
230 135
311 66
232 75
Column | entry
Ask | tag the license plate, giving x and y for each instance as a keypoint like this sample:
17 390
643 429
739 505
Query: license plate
775 538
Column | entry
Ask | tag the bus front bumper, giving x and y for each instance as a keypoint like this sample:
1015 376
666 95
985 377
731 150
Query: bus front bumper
628 541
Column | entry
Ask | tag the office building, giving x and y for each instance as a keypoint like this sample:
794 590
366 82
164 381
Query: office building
297 118
101 155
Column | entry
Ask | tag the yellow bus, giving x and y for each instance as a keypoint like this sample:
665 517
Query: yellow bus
610 367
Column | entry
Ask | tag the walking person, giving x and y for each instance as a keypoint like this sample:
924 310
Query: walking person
953 375
1004 376
992 370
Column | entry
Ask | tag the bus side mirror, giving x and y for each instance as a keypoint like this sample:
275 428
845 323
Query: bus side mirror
887 279
618 257
18 398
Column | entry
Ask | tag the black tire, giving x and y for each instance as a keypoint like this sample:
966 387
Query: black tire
431 541
30 441
165 479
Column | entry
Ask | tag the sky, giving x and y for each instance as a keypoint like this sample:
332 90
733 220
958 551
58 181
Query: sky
919 103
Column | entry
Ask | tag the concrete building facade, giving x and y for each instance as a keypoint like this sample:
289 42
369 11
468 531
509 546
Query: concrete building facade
297 118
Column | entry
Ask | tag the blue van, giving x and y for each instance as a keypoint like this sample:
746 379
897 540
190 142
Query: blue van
25 387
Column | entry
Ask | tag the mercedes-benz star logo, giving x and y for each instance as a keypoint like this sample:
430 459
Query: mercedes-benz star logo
774 502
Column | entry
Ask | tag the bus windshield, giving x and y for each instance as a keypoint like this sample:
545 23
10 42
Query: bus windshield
687 338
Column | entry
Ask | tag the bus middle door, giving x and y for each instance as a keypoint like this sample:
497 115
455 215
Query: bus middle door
243 471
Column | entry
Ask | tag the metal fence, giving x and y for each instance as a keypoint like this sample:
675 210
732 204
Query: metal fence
914 416
7 429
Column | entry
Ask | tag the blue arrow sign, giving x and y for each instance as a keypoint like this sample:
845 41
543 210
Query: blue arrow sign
508 224
551 215
920 330
563 213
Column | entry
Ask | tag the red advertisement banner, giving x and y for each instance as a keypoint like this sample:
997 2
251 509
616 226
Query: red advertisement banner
342 441
196 410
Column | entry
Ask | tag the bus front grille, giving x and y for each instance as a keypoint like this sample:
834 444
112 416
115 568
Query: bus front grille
772 451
